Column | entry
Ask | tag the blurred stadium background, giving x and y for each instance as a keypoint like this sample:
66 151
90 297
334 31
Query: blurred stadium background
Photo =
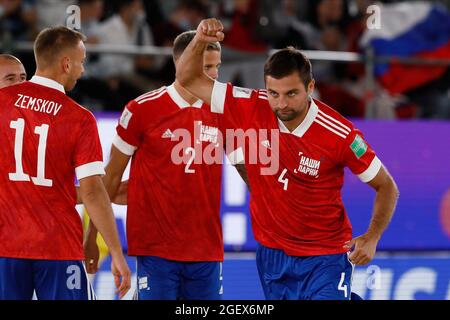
391 76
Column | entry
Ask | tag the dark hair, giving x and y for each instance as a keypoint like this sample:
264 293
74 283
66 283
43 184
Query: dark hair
51 41
182 41
287 61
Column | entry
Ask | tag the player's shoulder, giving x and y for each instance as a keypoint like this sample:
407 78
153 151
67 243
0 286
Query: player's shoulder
330 113
79 111
256 97
246 93
331 121
150 98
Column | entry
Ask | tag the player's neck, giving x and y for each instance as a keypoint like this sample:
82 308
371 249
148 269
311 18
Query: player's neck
189 98
50 75
293 124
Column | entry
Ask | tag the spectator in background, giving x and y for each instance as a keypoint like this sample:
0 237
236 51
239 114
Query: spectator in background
186 15
90 90
290 30
124 73
244 51
18 19
51 13
327 22
243 19
327 18
91 13
154 13
18 23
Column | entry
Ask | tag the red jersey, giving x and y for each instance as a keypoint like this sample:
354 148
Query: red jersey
174 189
298 208
46 140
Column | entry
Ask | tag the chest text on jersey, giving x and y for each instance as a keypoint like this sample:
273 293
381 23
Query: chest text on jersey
207 133
308 166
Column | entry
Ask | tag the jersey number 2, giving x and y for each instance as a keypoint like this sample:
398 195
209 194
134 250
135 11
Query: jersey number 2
19 175
188 169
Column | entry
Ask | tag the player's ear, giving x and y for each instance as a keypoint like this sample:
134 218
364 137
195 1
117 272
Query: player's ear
311 87
67 64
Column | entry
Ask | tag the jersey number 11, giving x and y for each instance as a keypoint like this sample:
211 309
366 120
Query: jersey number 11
19 175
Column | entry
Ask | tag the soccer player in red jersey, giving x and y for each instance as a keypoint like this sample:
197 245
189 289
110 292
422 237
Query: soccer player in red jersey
173 216
298 218
48 139
12 71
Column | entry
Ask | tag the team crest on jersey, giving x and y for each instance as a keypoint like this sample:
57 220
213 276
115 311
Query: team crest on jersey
125 118
207 133
308 166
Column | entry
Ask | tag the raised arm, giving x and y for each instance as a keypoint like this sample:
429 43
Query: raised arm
190 71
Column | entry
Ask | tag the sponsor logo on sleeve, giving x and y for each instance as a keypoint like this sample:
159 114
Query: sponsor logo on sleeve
358 146
239 92
125 118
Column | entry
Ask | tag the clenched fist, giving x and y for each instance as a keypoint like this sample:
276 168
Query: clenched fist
210 30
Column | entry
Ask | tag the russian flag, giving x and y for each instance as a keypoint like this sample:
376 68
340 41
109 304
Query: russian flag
418 29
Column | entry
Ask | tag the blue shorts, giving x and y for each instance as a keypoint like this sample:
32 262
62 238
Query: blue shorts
326 277
49 279
161 279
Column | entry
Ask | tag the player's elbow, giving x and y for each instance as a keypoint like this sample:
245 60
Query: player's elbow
91 189
396 191
391 187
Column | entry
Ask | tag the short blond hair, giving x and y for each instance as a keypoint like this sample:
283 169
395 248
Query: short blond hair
51 41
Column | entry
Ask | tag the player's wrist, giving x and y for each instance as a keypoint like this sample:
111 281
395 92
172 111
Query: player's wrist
116 252
372 234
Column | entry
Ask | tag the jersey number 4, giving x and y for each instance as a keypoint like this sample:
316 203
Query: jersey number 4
282 178
19 175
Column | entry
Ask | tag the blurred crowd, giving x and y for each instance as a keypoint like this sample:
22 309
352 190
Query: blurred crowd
253 28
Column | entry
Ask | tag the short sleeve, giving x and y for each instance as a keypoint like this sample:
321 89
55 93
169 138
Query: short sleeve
238 105
360 158
128 129
88 157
